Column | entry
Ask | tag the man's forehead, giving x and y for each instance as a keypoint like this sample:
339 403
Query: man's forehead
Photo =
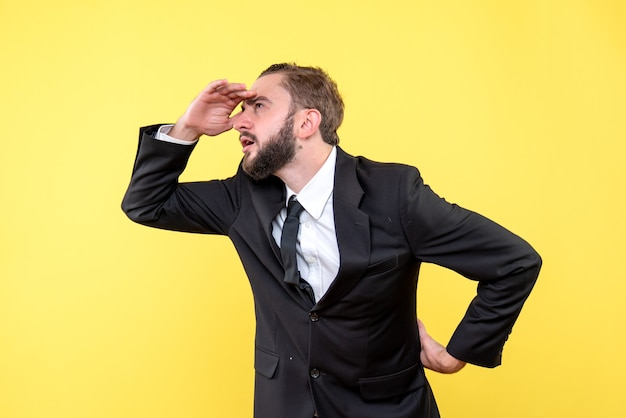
270 85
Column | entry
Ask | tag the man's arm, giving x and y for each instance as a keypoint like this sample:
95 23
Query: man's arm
154 196
504 265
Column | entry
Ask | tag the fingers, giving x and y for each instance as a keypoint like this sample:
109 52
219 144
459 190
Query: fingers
435 356
428 343
215 85
422 330
234 91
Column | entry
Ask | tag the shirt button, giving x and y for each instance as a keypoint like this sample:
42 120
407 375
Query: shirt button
314 317
314 373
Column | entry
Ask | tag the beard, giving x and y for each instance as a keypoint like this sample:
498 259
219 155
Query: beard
279 150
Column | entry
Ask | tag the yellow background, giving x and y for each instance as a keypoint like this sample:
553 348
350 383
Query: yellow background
515 109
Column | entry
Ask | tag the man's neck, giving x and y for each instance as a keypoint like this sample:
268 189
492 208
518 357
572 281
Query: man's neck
297 173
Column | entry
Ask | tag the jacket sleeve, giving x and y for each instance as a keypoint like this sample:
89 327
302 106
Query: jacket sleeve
504 265
155 197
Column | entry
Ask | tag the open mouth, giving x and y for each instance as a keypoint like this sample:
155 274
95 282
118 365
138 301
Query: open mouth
246 142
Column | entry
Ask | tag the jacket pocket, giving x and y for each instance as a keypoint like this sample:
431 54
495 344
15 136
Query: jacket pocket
388 386
382 266
265 362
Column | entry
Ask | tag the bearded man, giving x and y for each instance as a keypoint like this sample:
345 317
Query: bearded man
335 301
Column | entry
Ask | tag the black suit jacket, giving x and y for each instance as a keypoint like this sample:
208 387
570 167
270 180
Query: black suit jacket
355 353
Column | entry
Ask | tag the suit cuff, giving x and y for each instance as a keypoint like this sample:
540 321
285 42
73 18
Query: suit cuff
162 135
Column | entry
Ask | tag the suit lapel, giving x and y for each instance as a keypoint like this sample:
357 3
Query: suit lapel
351 227
268 198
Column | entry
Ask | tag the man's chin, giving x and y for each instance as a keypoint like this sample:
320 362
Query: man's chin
257 173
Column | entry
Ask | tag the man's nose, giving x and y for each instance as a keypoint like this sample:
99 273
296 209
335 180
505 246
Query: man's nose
241 121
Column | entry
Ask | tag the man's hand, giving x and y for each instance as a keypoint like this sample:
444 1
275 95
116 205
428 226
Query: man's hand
434 356
209 113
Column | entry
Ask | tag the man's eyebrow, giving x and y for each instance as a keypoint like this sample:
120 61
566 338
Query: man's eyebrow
252 101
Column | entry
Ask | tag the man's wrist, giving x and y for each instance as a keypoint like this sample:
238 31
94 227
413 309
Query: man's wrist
182 133
450 363
164 133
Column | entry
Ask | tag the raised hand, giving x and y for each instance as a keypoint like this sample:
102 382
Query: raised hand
209 113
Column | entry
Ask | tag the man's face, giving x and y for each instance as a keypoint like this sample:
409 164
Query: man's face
265 124
276 151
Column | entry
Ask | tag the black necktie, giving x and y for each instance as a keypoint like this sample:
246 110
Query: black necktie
288 241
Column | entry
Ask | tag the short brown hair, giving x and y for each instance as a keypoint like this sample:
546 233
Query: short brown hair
312 88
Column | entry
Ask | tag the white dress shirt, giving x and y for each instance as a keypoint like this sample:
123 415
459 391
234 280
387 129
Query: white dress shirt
317 252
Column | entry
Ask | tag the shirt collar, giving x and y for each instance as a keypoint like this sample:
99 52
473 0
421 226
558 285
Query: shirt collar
317 191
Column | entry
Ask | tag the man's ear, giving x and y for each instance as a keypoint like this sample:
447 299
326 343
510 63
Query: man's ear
308 123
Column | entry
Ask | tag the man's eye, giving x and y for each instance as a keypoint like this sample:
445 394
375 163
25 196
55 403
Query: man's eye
258 105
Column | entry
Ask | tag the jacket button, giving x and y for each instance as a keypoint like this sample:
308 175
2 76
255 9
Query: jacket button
314 317
314 373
